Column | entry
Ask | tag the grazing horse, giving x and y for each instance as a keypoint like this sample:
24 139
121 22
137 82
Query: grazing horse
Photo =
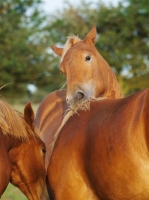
103 154
22 160
88 75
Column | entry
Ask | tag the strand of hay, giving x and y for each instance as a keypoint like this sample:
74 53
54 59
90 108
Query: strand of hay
5 85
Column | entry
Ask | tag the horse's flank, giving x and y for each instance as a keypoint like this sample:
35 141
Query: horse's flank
13 123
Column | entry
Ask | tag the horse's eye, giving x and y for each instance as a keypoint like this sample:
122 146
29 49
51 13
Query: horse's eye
87 58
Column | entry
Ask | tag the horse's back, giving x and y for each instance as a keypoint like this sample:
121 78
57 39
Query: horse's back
5 170
105 150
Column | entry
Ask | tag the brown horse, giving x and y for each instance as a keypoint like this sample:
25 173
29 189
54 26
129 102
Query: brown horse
103 154
93 78
88 75
22 159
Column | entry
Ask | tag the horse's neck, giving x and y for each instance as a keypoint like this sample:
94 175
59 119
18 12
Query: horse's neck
113 87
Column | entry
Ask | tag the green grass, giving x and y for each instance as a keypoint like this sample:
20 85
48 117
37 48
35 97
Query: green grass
12 192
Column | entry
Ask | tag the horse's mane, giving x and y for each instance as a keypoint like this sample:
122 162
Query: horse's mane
71 40
12 123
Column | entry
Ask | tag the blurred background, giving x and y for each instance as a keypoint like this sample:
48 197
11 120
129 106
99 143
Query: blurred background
29 27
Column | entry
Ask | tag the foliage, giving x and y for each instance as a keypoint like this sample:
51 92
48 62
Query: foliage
127 31
23 46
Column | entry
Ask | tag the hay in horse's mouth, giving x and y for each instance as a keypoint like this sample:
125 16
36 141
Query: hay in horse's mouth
84 105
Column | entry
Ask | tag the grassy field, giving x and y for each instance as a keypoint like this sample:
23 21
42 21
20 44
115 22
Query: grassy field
12 192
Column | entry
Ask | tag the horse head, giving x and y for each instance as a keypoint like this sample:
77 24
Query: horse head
26 152
88 75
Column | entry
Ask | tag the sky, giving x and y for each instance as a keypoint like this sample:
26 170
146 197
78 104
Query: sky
51 5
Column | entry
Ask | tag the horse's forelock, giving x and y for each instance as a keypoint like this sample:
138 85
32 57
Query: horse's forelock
13 123
71 40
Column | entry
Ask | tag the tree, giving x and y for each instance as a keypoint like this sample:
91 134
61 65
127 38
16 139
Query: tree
23 47
127 30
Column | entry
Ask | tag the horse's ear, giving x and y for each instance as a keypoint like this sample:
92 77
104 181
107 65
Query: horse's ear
57 50
91 36
29 115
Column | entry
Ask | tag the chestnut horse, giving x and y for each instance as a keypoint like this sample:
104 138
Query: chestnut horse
103 154
88 75
22 159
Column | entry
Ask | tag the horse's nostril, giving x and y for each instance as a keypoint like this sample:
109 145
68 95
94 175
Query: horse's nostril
80 95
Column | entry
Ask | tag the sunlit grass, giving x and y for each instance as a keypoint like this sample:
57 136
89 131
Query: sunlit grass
13 193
